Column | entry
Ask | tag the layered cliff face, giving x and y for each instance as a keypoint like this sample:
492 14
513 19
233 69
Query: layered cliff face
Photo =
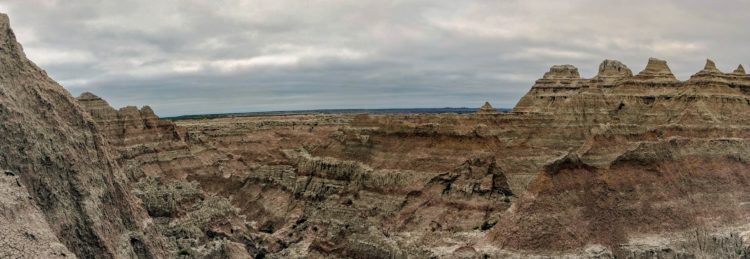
609 160
616 165
58 154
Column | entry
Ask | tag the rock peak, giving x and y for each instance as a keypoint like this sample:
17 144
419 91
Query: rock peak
740 70
562 72
611 70
10 50
656 70
486 108
710 66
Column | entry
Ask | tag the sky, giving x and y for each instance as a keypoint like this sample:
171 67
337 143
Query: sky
198 57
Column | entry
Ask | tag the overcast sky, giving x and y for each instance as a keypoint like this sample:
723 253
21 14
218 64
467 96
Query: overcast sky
196 56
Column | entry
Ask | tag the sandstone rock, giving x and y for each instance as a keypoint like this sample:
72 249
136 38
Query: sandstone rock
562 72
656 71
711 66
560 76
740 70
486 109
612 70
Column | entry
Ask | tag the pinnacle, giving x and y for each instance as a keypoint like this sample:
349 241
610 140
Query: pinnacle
740 70
710 66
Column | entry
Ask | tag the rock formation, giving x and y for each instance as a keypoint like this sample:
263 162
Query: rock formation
65 165
656 71
611 71
560 76
740 70
486 109
128 125
570 134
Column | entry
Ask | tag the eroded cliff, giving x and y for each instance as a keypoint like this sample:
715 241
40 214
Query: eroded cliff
60 157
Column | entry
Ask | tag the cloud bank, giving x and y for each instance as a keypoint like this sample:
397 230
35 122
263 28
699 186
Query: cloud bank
191 56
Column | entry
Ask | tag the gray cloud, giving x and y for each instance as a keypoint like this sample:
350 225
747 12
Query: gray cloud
191 56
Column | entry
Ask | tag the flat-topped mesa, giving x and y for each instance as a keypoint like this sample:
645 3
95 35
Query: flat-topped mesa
562 72
560 76
486 109
656 71
611 71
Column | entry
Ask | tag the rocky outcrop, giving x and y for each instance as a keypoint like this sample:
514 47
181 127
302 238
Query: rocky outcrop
60 157
656 71
128 126
200 225
611 71
486 109
740 70
560 76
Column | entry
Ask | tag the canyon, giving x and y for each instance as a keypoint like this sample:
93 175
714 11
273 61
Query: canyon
620 165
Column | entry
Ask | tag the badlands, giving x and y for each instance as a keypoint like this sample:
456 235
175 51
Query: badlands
620 165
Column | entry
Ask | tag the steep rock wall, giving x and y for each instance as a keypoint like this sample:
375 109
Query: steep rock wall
61 158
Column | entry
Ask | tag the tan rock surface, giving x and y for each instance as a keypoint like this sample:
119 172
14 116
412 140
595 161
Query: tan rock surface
656 71
740 70
486 109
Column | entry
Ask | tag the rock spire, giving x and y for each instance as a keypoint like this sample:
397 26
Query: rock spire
486 109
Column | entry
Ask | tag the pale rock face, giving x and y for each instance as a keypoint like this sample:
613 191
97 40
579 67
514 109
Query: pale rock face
560 77
612 70
562 72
